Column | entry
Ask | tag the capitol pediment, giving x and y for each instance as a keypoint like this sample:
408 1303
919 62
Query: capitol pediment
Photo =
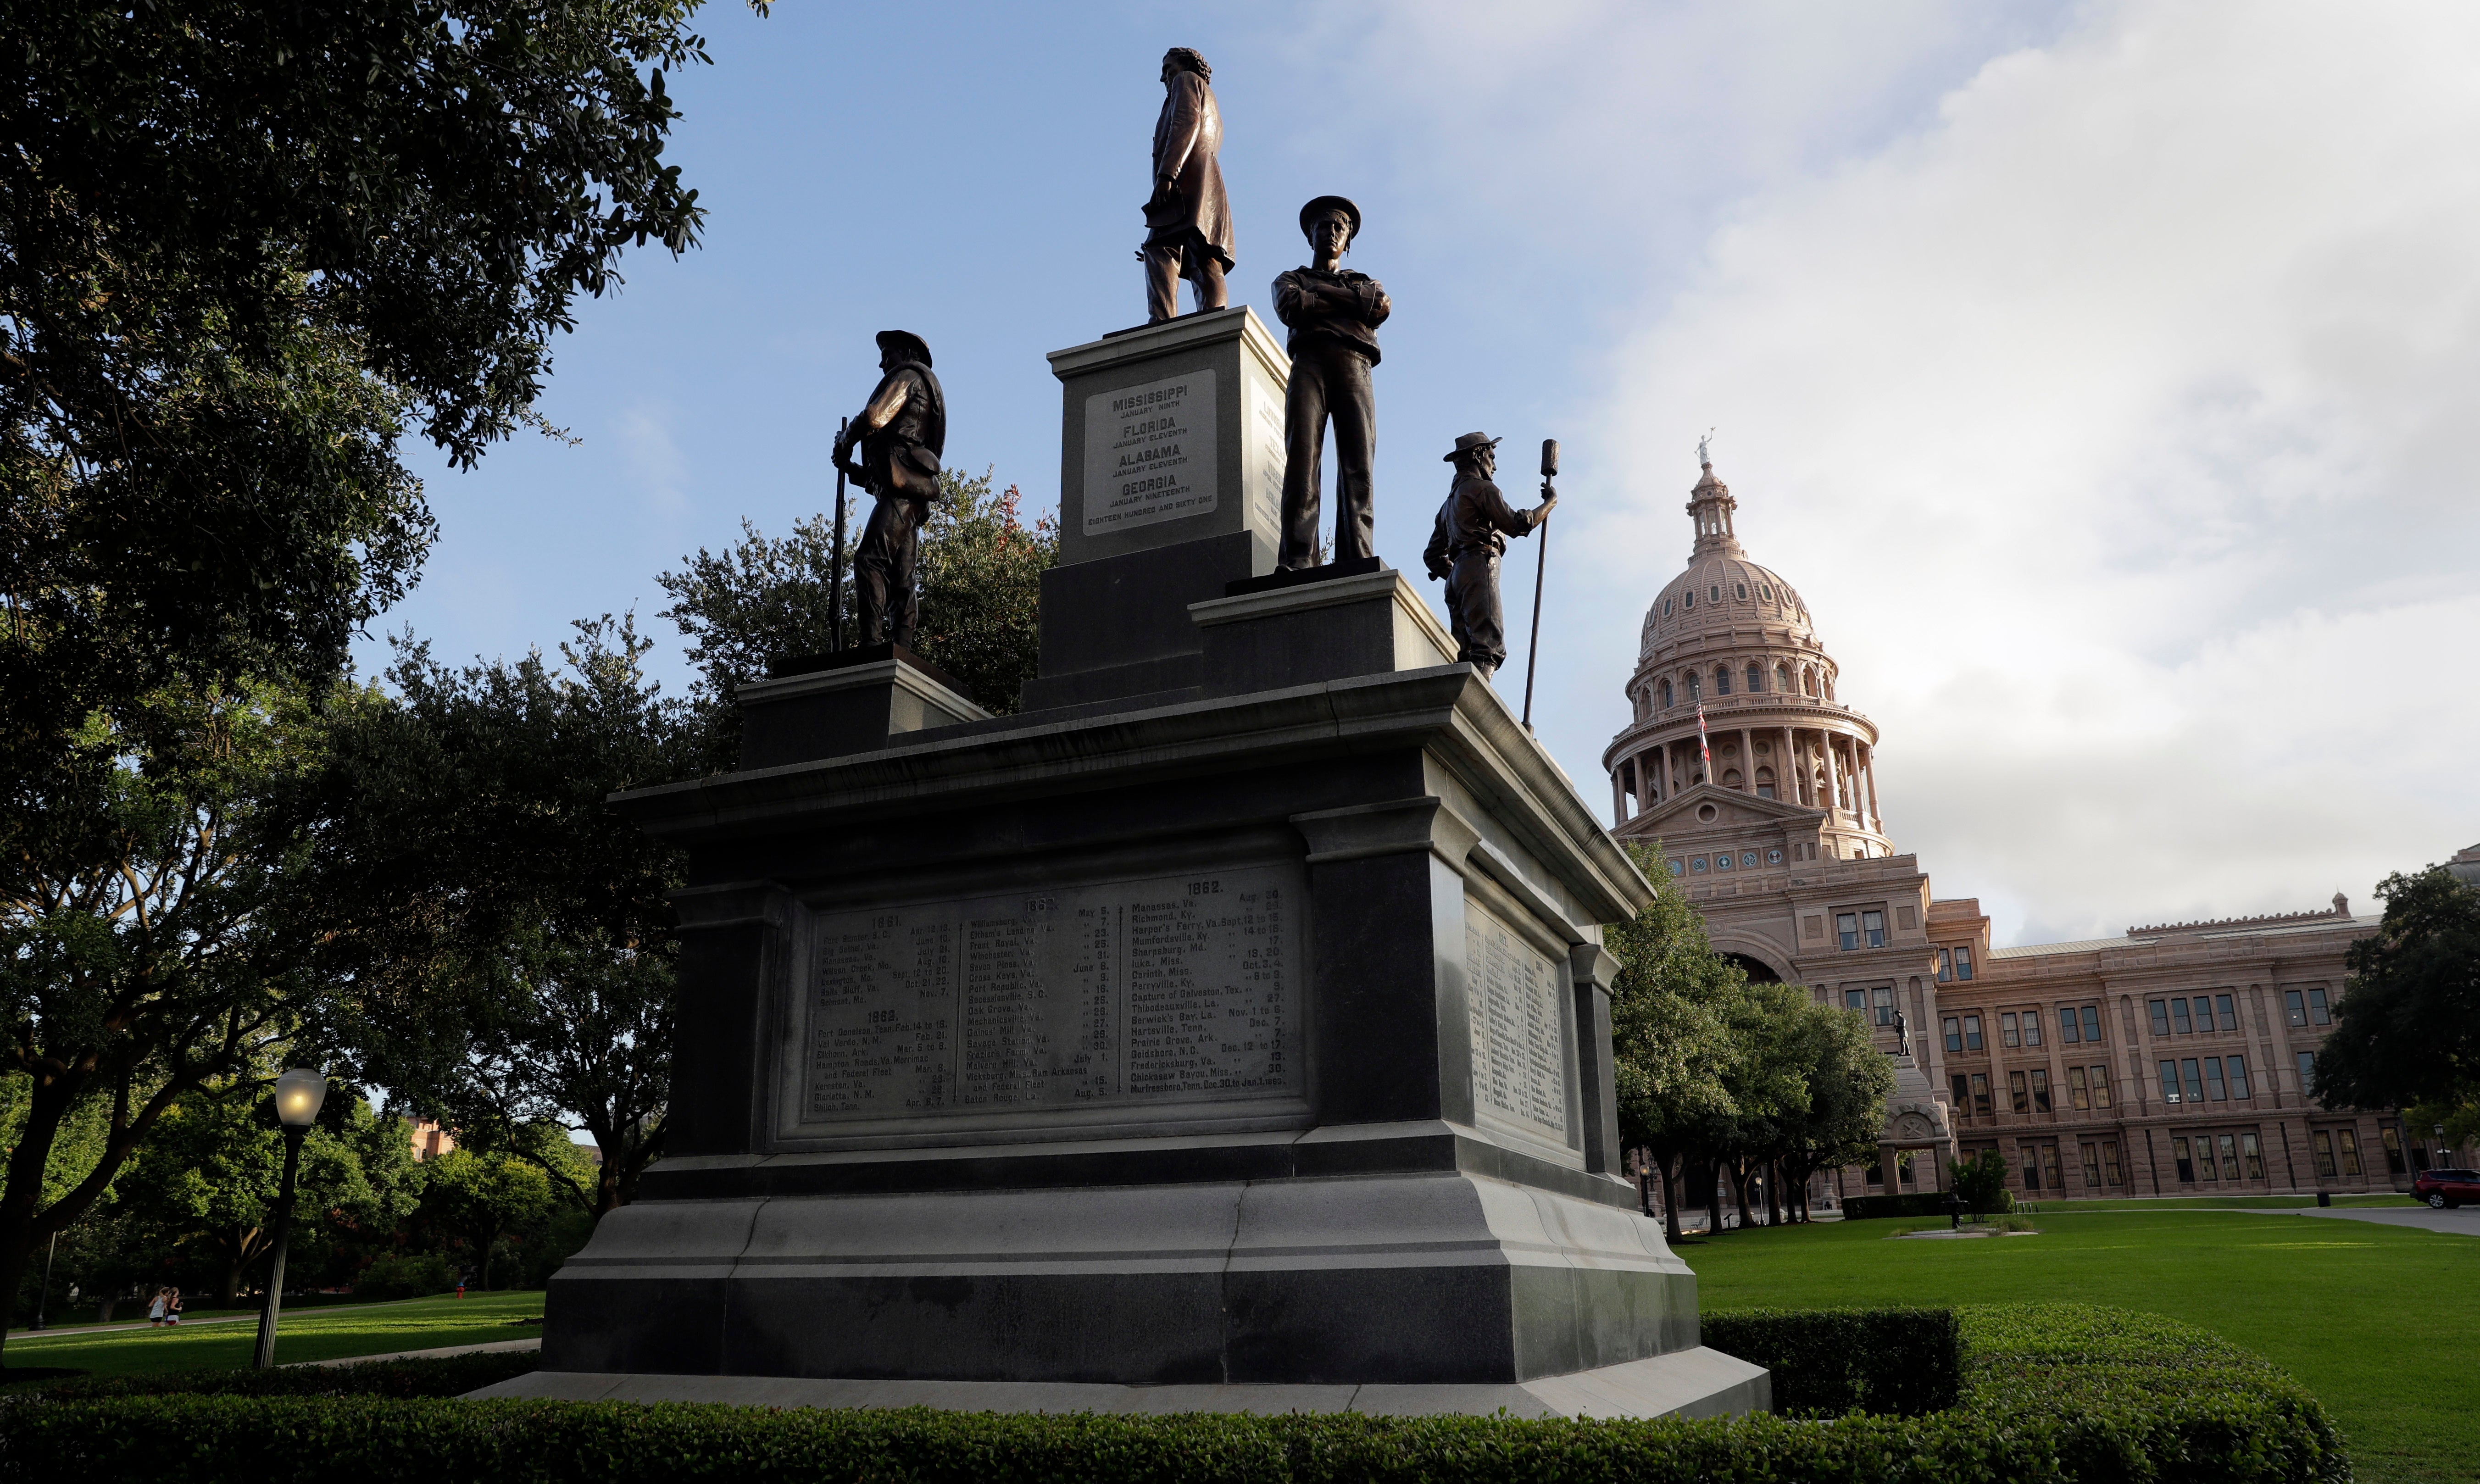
1730 809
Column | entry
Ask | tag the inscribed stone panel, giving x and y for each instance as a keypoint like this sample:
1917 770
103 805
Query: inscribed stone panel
1150 453
1166 990
1519 1042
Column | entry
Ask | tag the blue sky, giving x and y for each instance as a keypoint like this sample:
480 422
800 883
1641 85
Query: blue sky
2097 372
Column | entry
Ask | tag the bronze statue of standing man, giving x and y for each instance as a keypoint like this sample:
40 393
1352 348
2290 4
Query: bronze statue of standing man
1466 542
902 434
1333 314
1188 218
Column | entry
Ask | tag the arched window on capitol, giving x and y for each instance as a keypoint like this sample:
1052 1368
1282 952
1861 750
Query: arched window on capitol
1666 694
1722 679
1756 678
1782 678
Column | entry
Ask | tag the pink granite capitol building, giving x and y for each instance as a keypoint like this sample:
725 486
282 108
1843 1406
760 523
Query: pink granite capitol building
2175 1060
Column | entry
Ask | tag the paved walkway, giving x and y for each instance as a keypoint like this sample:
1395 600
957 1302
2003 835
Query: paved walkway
534 1343
2462 1222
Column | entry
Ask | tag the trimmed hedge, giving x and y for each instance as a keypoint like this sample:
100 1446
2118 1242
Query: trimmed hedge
439 1376
2051 1395
1900 1362
1924 1203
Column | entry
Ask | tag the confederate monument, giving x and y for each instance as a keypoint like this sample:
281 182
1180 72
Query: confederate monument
902 433
1228 1030
1333 314
1467 541
1188 218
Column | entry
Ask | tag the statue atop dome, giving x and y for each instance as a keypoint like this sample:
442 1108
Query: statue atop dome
1705 451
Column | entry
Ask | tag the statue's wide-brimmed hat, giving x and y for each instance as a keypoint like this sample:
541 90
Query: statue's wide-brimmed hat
1468 443
905 345
1319 206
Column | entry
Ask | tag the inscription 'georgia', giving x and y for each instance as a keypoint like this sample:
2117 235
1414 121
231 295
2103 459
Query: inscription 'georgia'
1176 989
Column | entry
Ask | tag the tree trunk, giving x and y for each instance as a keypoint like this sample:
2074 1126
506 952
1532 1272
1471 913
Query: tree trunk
1670 1192
1713 1176
1740 1172
1773 1194
44 1109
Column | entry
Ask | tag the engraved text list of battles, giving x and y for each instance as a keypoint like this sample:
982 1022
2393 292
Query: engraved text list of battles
1518 1035
1172 989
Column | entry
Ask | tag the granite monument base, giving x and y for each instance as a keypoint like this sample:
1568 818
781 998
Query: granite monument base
1686 1383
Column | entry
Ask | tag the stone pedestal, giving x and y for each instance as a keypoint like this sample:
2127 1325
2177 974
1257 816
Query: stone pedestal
1229 1029
1171 480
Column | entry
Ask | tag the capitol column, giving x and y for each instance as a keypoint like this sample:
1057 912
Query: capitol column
1791 768
1877 822
1618 794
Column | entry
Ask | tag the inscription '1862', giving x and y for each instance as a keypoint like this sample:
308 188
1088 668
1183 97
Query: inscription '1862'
1174 990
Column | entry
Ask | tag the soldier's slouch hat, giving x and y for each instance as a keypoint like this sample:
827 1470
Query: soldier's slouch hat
905 345
1468 443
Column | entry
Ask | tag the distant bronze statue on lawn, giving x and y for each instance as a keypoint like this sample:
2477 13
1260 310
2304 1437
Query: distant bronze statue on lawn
1333 315
902 434
1188 218
1466 542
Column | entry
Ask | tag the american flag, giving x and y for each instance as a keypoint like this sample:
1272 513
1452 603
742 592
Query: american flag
1704 753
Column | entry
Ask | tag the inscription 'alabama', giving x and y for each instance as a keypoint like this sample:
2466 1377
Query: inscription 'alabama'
1150 453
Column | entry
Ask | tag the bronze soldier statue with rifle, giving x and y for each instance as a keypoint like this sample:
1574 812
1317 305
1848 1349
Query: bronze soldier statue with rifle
901 435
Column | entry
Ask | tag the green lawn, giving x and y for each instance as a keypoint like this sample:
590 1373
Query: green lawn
307 1335
2383 1324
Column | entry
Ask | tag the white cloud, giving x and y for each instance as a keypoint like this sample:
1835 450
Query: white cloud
2115 427
654 458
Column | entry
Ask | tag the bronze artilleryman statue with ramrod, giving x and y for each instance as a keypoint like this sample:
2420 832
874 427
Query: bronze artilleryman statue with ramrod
1467 542
1540 570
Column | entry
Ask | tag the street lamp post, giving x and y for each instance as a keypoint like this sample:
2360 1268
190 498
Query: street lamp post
298 1093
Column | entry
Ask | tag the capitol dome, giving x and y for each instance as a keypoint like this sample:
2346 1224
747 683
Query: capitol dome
1729 664
1720 587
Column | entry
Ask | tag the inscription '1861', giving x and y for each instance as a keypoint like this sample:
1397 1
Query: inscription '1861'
1174 990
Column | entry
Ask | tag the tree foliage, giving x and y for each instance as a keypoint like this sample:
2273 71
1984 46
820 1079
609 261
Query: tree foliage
1721 1078
2408 1027
155 934
204 1191
487 1196
981 589
763 600
243 248
506 935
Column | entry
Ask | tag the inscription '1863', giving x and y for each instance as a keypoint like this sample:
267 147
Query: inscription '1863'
1174 990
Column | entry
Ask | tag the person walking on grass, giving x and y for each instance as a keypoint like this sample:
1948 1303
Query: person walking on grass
155 1310
173 1307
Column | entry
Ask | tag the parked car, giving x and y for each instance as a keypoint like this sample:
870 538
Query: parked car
2446 1189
